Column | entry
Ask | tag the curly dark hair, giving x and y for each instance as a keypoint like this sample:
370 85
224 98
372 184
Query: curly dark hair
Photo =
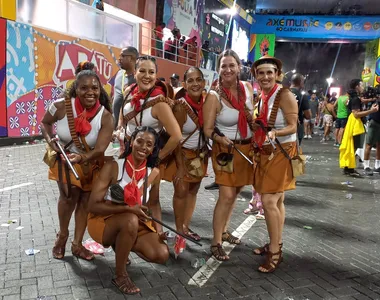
84 65
151 159
104 99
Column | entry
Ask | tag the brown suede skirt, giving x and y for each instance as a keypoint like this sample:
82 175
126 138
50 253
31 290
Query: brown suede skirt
96 225
274 174
87 174
239 173
188 155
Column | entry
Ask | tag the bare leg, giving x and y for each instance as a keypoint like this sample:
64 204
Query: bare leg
378 151
227 197
281 208
121 231
191 201
81 218
340 135
66 207
181 190
155 205
273 219
151 248
225 228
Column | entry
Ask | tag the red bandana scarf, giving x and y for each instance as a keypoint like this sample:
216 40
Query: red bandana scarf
132 195
197 106
239 105
137 96
82 124
260 133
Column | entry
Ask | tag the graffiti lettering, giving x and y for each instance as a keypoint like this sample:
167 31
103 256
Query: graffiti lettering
186 6
69 56
293 22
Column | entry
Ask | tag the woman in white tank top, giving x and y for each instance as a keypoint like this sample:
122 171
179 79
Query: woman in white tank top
139 111
278 114
228 114
190 164
86 111
122 222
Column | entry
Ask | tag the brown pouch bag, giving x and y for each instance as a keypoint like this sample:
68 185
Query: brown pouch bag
50 156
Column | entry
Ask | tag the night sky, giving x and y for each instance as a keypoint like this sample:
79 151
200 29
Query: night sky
317 59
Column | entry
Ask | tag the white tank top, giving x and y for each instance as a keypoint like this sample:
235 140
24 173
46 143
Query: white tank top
280 120
227 119
147 119
63 130
188 128
123 179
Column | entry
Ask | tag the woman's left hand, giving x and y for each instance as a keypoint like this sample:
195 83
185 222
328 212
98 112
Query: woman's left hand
73 157
272 135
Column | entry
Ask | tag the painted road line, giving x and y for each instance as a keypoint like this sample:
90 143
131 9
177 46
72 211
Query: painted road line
16 186
212 264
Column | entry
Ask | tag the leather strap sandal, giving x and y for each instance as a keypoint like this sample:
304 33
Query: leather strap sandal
218 252
59 248
126 285
81 252
263 250
228 237
272 262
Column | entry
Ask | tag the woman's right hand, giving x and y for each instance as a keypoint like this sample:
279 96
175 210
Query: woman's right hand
223 141
375 107
140 212
53 145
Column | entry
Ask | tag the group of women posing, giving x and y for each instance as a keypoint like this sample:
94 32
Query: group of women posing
168 136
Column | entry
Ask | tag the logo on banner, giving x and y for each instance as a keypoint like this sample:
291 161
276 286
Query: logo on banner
290 24
70 55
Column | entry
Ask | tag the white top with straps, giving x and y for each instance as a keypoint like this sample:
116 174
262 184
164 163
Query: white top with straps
228 117
188 128
123 179
280 120
63 130
147 119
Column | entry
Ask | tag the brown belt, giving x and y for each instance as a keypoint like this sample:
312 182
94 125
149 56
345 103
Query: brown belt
242 142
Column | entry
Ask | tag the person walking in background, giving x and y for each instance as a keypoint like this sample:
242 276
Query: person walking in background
124 78
328 118
342 117
309 124
205 53
297 84
354 133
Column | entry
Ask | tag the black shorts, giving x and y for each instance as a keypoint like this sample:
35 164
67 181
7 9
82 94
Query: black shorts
341 123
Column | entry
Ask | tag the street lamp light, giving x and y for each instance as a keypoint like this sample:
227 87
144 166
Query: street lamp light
330 80
292 71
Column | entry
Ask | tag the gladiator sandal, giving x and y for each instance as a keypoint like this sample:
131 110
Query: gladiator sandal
81 252
264 249
59 248
272 262
228 237
126 285
218 252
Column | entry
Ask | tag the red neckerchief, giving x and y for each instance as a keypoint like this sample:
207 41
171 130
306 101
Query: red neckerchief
82 124
260 133
132 195
197 106
239 105
137 96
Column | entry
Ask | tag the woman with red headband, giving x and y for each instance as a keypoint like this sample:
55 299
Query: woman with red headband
277 117
227 114
148 104
190 165
84 129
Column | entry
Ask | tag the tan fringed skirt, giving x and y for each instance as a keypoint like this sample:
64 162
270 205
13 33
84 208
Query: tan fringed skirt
188 155
274 175
241 173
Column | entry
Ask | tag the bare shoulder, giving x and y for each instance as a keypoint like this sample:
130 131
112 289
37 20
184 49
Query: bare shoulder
212 97
109 171
107 117
248 85
287 95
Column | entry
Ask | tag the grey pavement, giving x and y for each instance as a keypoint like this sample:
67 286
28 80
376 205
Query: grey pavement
337 259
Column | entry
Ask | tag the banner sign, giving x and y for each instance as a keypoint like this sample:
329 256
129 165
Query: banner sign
3 99
41 65
210 77
265 44
186 15
318 27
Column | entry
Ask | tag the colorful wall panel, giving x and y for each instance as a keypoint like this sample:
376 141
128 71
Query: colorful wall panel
371 56
377 68
40 65
3 100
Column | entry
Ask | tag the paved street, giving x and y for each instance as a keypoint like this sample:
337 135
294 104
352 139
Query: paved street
338 258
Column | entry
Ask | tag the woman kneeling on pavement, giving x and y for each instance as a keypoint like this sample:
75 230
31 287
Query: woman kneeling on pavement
84 128
117 212
148 104
190 165
273 173
227 113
